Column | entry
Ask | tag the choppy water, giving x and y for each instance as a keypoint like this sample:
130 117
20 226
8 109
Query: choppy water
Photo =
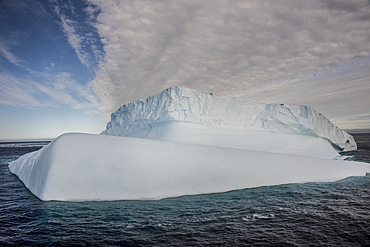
311 214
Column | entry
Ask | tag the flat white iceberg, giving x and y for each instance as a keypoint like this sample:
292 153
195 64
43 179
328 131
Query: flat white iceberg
182 142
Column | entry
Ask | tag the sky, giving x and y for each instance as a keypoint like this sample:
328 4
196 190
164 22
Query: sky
65 66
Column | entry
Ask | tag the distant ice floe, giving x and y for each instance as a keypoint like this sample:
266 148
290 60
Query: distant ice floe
183 142
255 217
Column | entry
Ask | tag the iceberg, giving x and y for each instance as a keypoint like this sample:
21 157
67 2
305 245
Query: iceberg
184 142
183 105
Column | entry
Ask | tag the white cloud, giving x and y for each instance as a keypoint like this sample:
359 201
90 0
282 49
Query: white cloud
8 55
14 92
43 89
247 49
78 26
75 40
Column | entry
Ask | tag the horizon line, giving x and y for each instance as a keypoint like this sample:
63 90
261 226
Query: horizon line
349 131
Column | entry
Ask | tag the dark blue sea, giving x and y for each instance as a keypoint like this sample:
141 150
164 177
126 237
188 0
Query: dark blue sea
311 214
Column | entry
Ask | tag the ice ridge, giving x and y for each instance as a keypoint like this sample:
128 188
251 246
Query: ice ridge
187 105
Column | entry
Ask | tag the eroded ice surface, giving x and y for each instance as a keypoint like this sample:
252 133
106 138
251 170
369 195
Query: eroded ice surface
181 104
183 142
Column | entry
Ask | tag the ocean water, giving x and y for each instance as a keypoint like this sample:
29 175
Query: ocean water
310 214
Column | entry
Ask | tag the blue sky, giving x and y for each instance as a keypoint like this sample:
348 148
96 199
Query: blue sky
66 65
49 53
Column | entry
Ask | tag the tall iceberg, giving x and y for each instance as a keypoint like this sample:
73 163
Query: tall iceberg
181 105
184 142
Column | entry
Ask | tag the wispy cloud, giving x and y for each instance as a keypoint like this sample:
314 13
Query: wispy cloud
8 55
43 89
22 86
27 7
14 92
256 50
78 26
75 40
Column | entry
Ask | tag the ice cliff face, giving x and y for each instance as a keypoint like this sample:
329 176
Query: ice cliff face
186 105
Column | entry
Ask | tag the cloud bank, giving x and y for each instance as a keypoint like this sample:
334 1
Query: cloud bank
101 54
256 50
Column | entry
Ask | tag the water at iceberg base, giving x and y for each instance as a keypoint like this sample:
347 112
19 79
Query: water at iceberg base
310 214
184 142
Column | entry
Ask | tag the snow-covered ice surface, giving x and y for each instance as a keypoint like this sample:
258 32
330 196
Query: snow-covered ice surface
182 142
79 167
